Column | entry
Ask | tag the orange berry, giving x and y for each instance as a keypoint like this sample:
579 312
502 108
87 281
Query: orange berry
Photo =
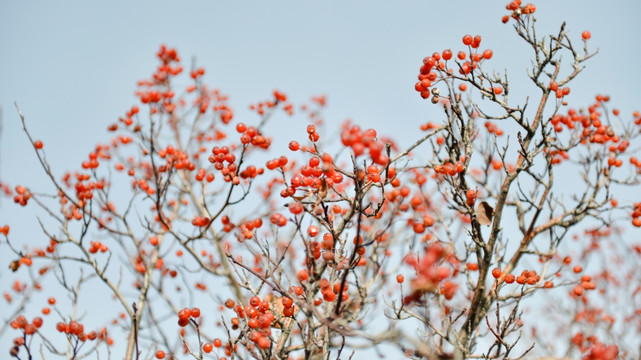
194 312
578 291
302 275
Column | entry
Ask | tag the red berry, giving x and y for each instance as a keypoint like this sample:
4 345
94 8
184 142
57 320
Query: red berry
476 42
578 291
586 35
194 312
468 39
302 275
160 354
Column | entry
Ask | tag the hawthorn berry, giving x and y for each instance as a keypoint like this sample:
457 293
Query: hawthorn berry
194 312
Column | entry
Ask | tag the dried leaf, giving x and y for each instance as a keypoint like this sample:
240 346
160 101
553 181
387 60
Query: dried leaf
322 192
14 265
484 213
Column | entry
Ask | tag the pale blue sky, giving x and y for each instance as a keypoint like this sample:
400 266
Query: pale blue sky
72 66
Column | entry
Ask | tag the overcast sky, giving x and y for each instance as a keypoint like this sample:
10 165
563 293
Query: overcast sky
72 66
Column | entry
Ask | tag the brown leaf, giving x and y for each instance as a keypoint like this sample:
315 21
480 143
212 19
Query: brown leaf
322 191
14 265
484 213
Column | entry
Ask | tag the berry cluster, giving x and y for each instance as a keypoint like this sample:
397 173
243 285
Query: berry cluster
279 97
437 64
429 271
247 229
636 215
84 191
228 226
251 135
361 141
186 314
450 168
21 322
278 219
203 175
471 196
595 349
586 284
22 195
518 10
557 155
76 329
493 129
97 246
170 66
257 318
313 177
219 156
559 92
200 221
279 162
